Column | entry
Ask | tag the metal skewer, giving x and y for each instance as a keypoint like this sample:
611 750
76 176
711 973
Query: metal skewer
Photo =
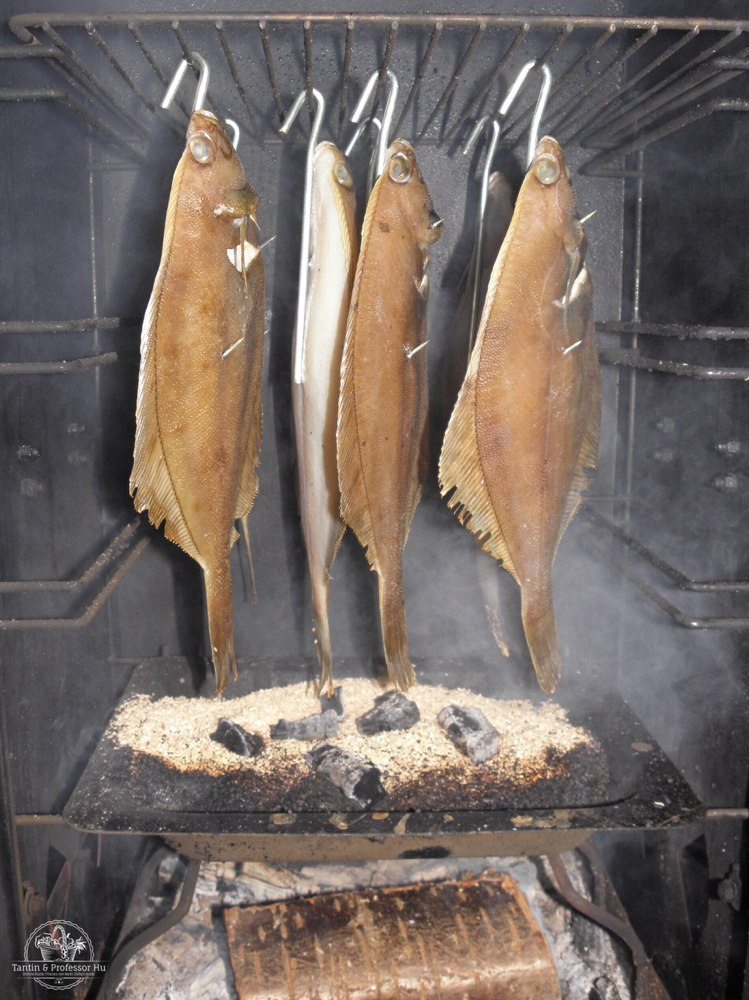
377 164
304 261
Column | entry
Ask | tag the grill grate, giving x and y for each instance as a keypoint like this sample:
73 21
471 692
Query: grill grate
618 81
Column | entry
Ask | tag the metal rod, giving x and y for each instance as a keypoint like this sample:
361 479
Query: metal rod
681 330
493 143
304 254
95 606
727 813
20 23
57 94
541 66
472 45
494 75
222 37
117 965
29 52
56 367
377 164
348 49
104 48
63 325
40 819
307 29
538 116
148 55
558 116
588 54
674 575
686 621
602 917
434 38
626 115
269 66
98 88
113 551
580 124
201 70
633 359
383 74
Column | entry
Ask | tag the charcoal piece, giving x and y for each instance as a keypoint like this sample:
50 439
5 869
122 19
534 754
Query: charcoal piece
314 727
335 703
470 731
238 740
392 711
357 777
604 989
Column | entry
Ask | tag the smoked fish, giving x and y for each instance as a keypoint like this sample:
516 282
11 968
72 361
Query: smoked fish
199 409
382 427
334 249
526 423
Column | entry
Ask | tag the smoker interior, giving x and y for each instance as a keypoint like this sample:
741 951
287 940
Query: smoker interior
654 133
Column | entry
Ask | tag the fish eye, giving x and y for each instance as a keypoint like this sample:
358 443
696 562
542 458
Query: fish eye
201 147
343 175
400 168
546 168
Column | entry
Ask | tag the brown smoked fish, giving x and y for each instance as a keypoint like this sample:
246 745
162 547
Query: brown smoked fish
526 423
198 417
382 429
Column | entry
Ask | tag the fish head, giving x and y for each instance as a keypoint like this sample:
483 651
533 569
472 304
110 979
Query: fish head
212 162
408 191
551 183
332 164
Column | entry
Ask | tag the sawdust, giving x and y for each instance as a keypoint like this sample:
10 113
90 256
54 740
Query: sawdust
177 730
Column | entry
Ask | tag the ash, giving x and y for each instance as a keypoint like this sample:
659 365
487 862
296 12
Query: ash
192 960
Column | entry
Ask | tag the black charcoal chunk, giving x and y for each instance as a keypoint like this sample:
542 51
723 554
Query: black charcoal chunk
392 711
238 740
357 777
335 703
470 731
314 727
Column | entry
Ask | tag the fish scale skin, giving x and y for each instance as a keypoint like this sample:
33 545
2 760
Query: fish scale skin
383 404
334 254
526 422
198 415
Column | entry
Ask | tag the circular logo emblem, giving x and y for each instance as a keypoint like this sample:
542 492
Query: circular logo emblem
60 955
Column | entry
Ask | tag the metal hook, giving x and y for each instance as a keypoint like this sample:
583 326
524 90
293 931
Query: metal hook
387 118
538 114
304 262
235 131
204 75
360 132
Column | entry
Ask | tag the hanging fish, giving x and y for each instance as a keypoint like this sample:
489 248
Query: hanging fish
333 254
199 409
382 428
526 423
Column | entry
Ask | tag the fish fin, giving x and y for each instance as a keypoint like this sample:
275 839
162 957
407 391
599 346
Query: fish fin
394 636
355 509
541 634
588 456
246 532
220 626
238 204
151 484
460 469
248 482
348 239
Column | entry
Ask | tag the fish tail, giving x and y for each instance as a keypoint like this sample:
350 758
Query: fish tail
541 634
322 635
394 637
220 627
